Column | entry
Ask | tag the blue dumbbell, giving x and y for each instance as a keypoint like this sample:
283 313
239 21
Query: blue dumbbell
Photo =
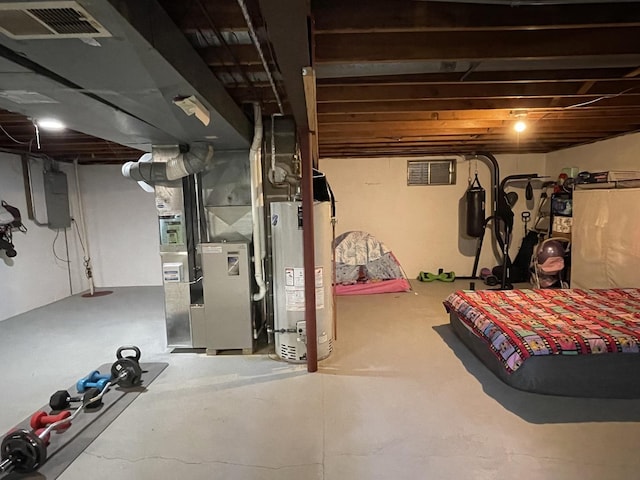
93 380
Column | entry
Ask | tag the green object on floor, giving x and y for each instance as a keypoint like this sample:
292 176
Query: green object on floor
427 277
447 276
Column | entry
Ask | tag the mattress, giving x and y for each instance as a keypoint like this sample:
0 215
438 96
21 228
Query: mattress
566 342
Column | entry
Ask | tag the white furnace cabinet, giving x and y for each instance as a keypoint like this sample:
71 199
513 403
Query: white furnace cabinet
226 286
606 238
288 280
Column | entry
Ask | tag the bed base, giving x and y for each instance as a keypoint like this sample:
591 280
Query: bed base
591 376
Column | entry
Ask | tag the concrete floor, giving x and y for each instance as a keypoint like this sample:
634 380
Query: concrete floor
399 398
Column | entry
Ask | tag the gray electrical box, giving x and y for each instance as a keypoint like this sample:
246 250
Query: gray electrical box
56 195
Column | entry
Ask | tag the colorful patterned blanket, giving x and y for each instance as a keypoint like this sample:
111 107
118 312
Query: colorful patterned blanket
518 324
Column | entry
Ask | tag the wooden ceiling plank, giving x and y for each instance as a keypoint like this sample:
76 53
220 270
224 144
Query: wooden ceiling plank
462 104
386 47
515 76
585 87
461 90
502 114
406 15
633 73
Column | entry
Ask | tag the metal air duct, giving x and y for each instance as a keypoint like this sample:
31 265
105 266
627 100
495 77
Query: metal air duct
193 161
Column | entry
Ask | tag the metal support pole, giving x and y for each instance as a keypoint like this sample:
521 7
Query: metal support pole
309 250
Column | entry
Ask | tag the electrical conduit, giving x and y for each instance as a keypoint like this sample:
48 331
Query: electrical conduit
83 229
255 161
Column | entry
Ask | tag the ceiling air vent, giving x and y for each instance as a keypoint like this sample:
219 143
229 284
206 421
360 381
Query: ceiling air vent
42 20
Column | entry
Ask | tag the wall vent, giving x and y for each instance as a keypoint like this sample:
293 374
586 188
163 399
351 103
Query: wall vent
43 20
431 172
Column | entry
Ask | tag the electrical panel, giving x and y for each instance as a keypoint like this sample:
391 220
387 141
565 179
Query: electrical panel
56 195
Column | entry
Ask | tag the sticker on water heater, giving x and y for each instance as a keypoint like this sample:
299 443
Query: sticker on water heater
294 299
319 279
298 277
319 298
288 277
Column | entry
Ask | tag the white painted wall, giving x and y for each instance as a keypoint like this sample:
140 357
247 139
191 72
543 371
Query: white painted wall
420 224
620 153
121 227
122 224
34 277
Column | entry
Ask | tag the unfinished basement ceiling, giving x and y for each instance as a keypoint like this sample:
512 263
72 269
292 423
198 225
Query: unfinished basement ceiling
409 77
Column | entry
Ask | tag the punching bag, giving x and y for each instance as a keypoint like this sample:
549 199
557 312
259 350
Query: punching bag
475 199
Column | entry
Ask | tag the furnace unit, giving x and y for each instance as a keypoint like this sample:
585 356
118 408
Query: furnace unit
226 271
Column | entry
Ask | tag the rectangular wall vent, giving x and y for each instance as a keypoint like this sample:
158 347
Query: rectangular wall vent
43 20
431 172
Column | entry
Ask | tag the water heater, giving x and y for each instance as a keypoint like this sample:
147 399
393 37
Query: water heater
288 280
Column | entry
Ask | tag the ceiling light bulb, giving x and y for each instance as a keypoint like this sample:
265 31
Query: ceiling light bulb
520 126
51 124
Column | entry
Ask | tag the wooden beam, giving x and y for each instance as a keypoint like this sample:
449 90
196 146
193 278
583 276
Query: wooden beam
531 44
333 16
469 91
633 73
585 87
463 104
287 28
503 114
516 76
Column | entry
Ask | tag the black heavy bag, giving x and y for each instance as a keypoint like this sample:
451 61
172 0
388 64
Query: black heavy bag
475 199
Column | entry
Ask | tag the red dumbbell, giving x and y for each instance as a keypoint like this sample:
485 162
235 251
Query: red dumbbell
42 420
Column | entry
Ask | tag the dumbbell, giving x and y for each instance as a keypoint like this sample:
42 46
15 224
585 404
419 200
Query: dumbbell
43 420
93 380
488 277
61 400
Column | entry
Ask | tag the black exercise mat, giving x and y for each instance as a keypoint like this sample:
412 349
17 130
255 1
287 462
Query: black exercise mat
87 426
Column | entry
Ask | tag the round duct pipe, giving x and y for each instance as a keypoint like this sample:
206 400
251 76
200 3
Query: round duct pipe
193 161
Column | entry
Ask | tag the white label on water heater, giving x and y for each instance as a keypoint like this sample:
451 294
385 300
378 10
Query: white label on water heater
288 277
294 299
294 288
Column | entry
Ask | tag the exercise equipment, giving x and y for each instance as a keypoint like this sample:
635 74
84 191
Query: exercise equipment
62 400
90 394
93 380
10 220
43 420
126 348
502 217
526 217
475 201
126 371
488 277
24 451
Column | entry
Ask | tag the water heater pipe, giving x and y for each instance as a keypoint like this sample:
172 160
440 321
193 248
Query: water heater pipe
255 160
